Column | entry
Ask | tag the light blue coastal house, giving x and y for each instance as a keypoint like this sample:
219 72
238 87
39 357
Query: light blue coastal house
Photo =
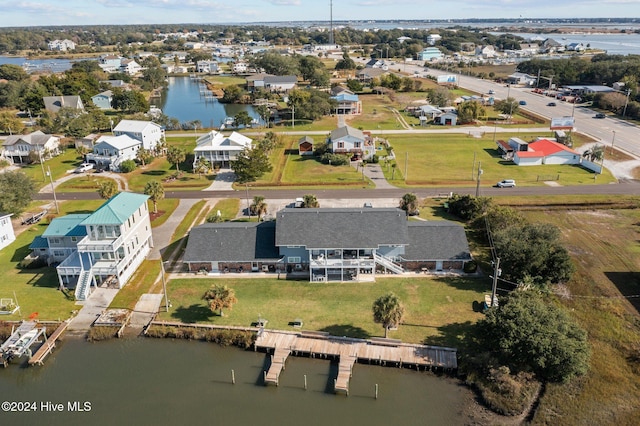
104 247
430 54
103 100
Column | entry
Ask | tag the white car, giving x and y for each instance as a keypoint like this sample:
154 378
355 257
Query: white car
506 183
84 167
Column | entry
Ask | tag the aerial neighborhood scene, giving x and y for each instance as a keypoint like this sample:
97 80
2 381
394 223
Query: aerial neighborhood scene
319 213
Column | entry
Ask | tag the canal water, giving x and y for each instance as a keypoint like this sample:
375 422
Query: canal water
183 101
147 381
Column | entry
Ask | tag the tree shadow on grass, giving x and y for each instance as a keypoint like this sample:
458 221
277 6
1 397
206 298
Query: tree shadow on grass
346 330
628 283
450 335
192 314
40 277
155 173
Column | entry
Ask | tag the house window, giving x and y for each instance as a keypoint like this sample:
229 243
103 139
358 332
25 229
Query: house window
55 241
357 144
340 145
58 253
74 239
293 259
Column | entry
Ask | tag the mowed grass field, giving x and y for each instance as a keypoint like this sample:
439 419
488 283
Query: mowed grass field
436 309
453 160
602 296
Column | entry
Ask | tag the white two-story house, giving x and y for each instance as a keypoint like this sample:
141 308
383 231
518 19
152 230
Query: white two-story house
220 149
147 132
16 148
117 238
7 235
347 140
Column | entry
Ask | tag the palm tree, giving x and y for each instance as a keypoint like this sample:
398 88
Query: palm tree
219 297
176 156
388 311
310 201
155 191
409 203
258 207
107 189
202 166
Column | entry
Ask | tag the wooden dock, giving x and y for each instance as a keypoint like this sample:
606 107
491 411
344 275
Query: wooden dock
48 345
349 351
278 360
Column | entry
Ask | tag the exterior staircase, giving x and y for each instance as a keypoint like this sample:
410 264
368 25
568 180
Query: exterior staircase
83 288
388 263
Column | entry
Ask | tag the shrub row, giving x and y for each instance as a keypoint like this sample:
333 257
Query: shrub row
102 332
239 338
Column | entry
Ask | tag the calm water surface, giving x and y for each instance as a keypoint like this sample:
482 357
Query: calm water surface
159 381
183 101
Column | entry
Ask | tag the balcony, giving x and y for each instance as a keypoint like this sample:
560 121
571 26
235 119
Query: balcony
106 245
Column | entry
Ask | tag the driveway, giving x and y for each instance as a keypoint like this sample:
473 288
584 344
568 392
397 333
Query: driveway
223 181
98 301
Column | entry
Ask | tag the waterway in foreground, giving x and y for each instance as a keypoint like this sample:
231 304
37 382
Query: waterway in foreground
147 381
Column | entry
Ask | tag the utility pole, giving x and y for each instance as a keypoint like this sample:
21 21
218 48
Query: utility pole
246 187
293 115
53 189
478 179
406 165
612 141
164 286
496 273
626 102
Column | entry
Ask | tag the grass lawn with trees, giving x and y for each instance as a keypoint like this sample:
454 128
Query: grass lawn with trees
435 309
431 156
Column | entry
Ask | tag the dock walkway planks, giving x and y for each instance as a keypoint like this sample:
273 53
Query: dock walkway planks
349 351
278 360
48 345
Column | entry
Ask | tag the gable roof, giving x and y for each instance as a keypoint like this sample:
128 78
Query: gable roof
232 241
66 226
344 131
304 139
544 148
106 93
117 209
341 228
280 79
118 142
436 240
54 103
134 126
212 140
36 138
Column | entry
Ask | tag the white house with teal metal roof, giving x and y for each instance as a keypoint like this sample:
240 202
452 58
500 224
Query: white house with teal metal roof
60 239
116 241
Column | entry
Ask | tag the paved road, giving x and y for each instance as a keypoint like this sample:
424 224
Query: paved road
625 187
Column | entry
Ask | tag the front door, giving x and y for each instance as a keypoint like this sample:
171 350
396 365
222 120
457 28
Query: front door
439 265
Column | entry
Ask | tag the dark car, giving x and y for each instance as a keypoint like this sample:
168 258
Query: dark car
551 104
522 102
599 115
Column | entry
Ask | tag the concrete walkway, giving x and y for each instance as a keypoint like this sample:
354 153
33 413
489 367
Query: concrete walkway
99 300
145 310
223 181
374 172
162 234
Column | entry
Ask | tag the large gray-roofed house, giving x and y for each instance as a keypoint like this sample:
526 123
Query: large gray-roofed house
438 240
231 244
329 244
341 228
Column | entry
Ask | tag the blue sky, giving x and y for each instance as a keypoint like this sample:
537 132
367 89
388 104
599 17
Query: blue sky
77 12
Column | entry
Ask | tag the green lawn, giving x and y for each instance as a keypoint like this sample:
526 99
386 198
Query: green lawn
436 310
83 183
141 283
308 171
437 159
37 289
59 166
